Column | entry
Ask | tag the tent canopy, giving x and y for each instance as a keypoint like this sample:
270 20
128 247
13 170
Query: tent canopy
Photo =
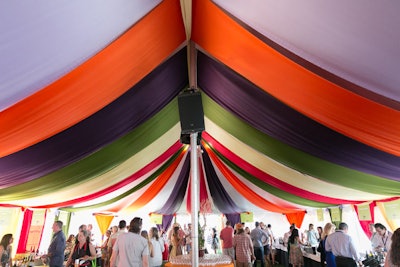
301 104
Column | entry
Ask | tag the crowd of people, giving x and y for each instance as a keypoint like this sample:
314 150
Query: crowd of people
336 246
130 245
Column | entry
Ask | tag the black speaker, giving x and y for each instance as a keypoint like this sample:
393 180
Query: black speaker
191 112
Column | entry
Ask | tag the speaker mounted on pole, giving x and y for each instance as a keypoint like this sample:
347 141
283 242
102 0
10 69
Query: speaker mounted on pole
191 114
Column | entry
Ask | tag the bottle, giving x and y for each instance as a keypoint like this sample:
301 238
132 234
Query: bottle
31 261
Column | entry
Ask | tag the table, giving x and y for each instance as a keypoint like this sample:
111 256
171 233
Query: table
208 260
310 259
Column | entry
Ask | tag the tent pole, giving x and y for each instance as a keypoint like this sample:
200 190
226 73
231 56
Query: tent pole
195 201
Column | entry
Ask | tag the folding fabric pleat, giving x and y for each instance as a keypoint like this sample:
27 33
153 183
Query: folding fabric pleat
95 83
310 94
295 159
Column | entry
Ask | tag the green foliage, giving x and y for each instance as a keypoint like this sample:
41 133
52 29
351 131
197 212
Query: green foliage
201 239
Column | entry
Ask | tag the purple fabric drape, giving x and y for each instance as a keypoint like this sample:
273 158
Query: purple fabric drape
175 199
234 218
279 121
166 222
221 199
130 110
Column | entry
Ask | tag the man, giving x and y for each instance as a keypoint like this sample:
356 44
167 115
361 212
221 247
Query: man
287 235
266 243
243 248
383 239
116 231
57 246
131 249
374 236
342 246
226 235
272 238
256 236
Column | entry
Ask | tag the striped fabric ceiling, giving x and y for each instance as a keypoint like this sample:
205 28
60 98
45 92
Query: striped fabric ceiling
301 104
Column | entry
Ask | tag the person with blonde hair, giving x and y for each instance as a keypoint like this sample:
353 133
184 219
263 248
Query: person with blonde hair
327 257
158 248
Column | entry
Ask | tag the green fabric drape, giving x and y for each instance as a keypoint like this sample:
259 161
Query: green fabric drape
145 182
293 158
269 188
99 162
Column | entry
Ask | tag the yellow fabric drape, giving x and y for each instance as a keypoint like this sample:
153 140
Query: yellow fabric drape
103 221
393 224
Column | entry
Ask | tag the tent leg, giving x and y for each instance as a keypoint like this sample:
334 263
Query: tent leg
195 201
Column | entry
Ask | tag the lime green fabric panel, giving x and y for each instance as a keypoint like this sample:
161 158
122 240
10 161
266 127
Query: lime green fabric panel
271 189
296 159
139 186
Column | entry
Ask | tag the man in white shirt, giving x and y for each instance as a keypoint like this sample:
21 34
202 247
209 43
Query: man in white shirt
131 249
384 238
342 246
272 238
374 236
287 235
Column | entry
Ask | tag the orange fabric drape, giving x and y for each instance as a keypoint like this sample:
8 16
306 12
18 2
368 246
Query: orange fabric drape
244 190
296 218
155 188
310 94
95 83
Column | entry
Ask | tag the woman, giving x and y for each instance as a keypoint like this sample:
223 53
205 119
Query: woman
158 248
6 250
104 250
69 246
215 241
295 253
176 243
84 251
327 257
149 244
393 255
320 231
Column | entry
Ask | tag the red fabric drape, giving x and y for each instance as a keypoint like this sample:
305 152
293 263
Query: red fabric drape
265 177
296 218
26 225
203 195
143 171
365 224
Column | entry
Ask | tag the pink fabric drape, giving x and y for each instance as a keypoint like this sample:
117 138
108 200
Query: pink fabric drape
26 224
365 223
